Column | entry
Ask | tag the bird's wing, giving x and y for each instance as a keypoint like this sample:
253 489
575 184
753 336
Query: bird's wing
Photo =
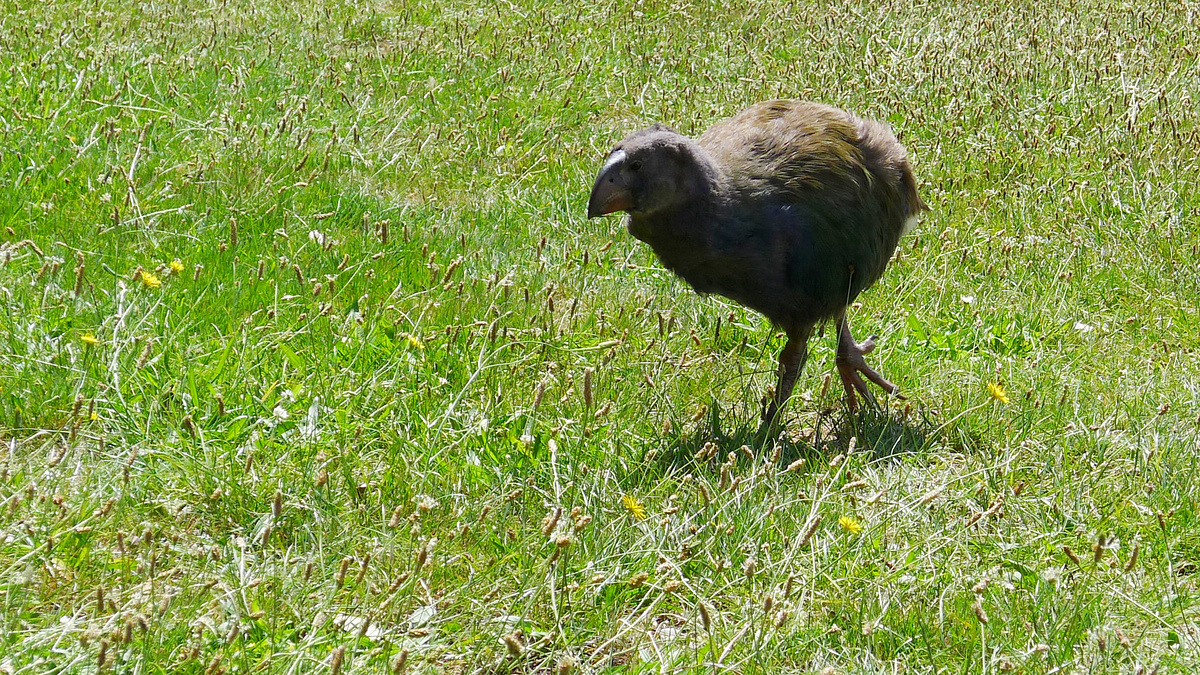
797 175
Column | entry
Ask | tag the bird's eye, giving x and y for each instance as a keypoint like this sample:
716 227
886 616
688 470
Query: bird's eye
635 165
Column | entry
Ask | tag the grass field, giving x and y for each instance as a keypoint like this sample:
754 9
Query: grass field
310 361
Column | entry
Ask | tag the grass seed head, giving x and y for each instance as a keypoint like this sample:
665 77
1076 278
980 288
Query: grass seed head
750 567
1133 556
401 661
335 662
1122 638
513 643
1070 554
362 569
810 530
395 585
144 356
425 503
979 612
550 522
340 578
705 617
539 393
582 521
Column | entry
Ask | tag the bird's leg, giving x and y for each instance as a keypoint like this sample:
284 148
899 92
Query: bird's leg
791 362
850 363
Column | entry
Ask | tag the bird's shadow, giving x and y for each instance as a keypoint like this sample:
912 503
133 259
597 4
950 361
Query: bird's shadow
884 433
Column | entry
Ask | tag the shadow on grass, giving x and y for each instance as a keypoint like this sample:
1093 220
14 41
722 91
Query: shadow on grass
813 436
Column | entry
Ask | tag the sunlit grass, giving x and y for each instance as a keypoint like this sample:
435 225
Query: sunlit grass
310 361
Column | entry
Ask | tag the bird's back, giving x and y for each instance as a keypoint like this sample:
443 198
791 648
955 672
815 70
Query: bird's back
829 192
784 147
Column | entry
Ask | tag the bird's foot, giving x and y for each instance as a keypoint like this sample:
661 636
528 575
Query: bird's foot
852 367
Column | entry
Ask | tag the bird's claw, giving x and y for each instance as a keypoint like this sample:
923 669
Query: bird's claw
852 367
867 346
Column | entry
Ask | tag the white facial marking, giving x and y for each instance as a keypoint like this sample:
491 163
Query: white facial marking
909 225
617 156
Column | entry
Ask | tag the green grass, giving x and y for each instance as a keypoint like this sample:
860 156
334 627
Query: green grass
340 432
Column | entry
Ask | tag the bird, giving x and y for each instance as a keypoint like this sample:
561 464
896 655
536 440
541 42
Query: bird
791 208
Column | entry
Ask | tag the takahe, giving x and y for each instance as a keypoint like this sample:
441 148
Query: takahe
789 207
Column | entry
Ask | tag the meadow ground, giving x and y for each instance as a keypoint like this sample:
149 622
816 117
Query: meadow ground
310 362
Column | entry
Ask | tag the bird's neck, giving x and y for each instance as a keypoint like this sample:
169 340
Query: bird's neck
681 237
680 232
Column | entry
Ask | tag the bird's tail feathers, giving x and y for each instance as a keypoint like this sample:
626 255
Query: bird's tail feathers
912 199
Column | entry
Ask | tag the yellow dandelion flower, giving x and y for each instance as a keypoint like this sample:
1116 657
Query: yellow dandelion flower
151 280
850 525
997 392
413 341
89 339
634 506
94 416
176 266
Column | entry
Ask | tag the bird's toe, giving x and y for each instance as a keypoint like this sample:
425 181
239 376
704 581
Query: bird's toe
855 387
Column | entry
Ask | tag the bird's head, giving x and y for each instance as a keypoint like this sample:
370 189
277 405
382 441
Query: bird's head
649 172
